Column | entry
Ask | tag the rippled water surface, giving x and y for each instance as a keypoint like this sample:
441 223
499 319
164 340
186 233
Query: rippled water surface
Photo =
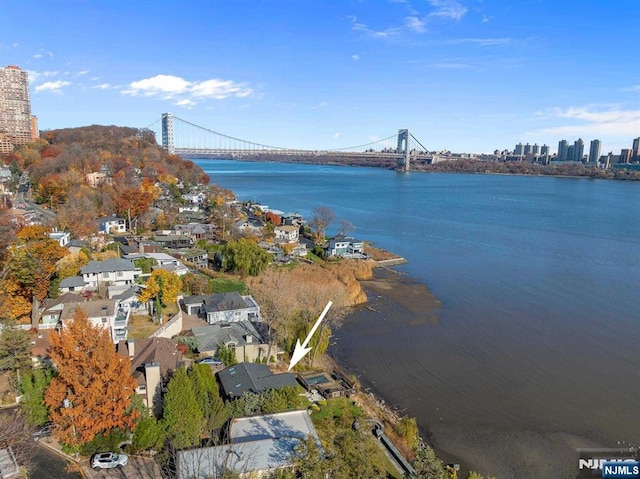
535 348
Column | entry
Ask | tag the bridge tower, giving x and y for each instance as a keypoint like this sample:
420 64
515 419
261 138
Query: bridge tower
403 149
167 133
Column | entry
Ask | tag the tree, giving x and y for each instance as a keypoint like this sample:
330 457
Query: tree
346 227
321 218
427 465
92 392
15 350
245 257
33 387
182 415
162 285
131 203
31 262
208 396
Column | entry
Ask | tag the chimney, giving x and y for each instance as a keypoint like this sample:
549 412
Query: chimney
154 386
131 348
248 338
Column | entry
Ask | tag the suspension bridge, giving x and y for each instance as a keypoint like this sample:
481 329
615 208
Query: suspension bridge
189 140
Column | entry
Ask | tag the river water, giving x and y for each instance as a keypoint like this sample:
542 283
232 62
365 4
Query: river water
534 349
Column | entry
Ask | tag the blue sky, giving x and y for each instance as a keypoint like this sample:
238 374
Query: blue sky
463 75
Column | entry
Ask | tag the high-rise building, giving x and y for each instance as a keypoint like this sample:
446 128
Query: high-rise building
519 149
578 150
635 151
571 152
625 156
535 149
594 152
527 149
563 150
17 126
544 150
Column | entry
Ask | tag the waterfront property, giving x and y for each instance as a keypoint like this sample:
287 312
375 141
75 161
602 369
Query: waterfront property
253 378
341 245
328 385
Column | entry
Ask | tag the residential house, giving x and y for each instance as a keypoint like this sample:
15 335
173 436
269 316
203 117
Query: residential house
163 260
52 308
197 256
62 237
128 295
108 272
112 225
344 246
286 234
259 446
153 360
293 219
195 198
243 337
223 307
73 284
167 239
252 378
97 178
103 313
75 246
197 231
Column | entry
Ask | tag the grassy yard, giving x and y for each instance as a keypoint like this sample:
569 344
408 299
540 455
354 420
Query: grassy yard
141 326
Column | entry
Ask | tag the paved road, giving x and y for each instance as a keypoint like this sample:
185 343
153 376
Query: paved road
49 465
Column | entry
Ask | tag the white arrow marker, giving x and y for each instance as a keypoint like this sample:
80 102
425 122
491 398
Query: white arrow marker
301 350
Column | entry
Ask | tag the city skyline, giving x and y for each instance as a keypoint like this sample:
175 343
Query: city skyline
466 76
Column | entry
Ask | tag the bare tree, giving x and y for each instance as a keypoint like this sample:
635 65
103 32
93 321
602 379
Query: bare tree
14 433
321 218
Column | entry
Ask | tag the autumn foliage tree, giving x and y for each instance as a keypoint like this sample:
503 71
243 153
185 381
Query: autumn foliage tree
92 391
162 286
31 262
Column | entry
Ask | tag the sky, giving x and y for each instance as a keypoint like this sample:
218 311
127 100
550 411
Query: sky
462 75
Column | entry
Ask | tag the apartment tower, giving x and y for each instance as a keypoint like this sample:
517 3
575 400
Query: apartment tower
594 152
17 126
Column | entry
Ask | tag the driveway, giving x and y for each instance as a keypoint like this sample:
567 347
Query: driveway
137 468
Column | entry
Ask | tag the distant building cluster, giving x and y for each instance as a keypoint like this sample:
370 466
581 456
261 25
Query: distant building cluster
575 152
17 125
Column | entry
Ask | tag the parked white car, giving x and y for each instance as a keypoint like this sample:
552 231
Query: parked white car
108 460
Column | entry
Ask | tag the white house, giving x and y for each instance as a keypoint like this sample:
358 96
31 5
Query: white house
62 237
223 307
287 234
164 260
108 314
194 198
112 224
345 246
109 272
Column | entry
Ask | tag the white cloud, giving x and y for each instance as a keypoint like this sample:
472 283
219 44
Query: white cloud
485 19
185 103
381 34
52 86
37 55
336 135
447 9
322 104
415 24
484 42
612 122
103 86
170 87
632 88
81 73
355 56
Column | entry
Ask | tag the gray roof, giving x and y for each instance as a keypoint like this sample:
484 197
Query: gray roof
211 337
252 377
72 282
217 302
258 443
108 219
108 265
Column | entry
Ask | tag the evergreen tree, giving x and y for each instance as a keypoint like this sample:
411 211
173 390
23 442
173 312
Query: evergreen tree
33 386
181 412
208 396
